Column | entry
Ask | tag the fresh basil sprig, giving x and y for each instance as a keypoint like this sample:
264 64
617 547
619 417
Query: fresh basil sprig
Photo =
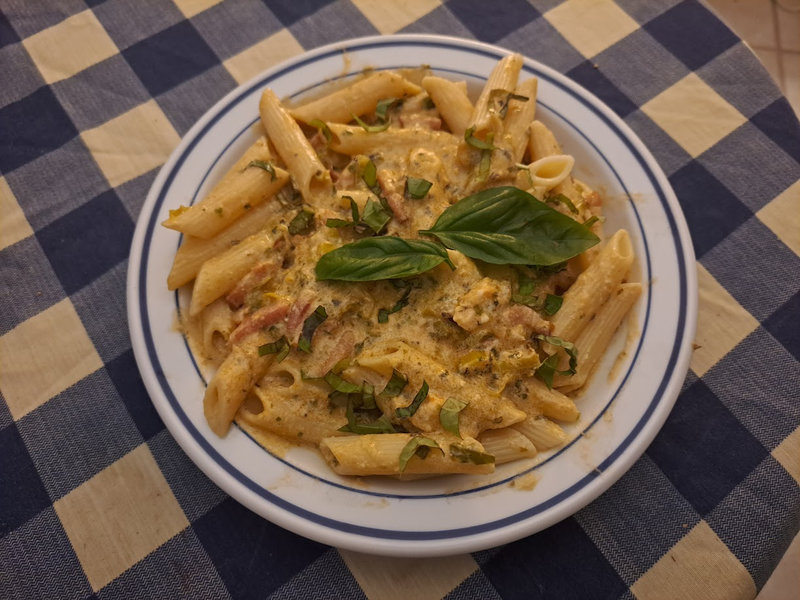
506 225
374 259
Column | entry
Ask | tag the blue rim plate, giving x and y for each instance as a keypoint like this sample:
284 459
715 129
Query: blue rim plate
623 409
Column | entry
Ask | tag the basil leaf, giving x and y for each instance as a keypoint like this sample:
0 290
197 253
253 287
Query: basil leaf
591 221
383 106
417 188
409 411
341 385
486 161
367 395
279 347
323 128
337 223
509 97
262 164
375 215
371 128
448 415
397 382
562 199
370 174
416 445
383 314
552 304
506 225
353 209
380 425
549 367
475 142
310 325
464 455
302 223
547 370
374 259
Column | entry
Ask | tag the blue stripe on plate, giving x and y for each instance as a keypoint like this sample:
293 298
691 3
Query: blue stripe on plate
448 533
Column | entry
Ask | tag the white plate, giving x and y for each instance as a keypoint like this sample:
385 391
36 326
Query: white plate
621 414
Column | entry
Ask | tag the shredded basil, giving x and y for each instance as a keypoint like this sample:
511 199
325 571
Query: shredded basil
552 304
371 128
362 426
310 325
449 413
376 216
503 110
341 385
591 221
396 384
475 142
374 259
417 188
549 367
279 347
383 106
262 164
370 175
302 223
323 128
464 455
409 411
383 313
418 445
562 199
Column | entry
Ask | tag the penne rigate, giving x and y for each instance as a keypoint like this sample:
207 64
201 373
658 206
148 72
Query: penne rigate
387 281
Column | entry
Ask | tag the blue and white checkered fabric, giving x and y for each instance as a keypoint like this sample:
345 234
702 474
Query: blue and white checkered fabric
97 500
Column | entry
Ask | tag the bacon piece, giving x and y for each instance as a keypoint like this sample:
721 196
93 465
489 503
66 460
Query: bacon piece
298 312
263 317
328 348
258 275
392 188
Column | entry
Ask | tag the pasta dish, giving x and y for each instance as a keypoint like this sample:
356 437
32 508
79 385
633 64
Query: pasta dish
407 279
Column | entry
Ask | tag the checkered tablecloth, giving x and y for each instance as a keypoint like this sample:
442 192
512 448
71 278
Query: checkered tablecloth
98 501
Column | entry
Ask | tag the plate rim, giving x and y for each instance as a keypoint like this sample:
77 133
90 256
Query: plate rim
312 525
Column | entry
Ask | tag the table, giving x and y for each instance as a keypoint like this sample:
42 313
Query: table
98 501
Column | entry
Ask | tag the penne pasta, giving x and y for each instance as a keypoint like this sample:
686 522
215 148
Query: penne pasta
308 173
452 101
358 98
398 296
245 186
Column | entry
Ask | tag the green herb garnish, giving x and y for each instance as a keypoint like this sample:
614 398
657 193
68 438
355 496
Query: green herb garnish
279 347
310 325
323 128
262 164
383 106
552 304
506 225
549 367
376 216
371 128
302 223
475 142
383 313
464 455
341 385
417 188
396 384
418 445
562 199
449 413
374 259
409 411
